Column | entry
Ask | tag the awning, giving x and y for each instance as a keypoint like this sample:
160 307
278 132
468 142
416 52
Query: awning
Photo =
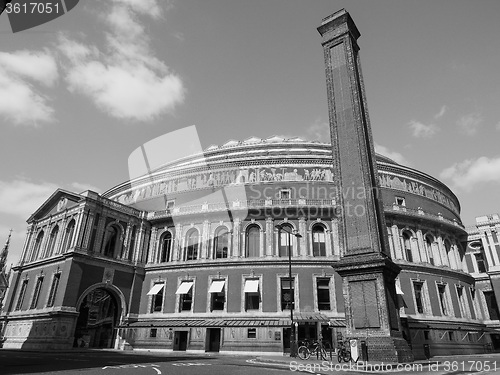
216 287
208 323
399 291
185 287
251 286
310 317
155 289
336 323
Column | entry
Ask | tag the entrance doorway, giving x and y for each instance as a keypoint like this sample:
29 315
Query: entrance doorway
180 340
96 322
213 339
286 340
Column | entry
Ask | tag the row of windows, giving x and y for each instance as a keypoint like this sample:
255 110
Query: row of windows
251 299
36 292
422 301
221 243
50 248
431 250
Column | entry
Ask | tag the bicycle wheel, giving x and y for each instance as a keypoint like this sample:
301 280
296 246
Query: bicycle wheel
340 355
324 355
303 352
347 356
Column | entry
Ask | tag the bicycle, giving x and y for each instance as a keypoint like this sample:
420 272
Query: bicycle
308 348
343 353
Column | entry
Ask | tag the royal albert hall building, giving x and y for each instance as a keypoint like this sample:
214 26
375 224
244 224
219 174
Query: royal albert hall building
195 256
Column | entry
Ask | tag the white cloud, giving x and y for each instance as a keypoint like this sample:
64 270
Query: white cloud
20 101
470 122
469 173
22 198
441 112
396 156
421 130
319 131
125 80
79 187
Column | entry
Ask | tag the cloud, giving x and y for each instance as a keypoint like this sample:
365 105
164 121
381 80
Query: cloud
125 80
470 123
469 173
21 198
441 112
421 130
79 187
20 100
319 131
396 156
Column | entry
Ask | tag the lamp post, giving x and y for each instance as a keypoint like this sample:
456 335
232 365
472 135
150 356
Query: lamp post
293 337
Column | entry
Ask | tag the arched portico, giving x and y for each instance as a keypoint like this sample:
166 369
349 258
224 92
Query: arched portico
101 308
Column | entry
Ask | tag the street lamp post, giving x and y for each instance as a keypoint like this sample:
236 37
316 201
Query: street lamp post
293 337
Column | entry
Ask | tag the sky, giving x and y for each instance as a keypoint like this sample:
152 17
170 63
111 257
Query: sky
80 93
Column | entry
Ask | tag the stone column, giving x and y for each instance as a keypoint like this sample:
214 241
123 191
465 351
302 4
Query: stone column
269 236
422 248
337 246
492 248
205 240
237 238
442 251
397 242
303 248
177 243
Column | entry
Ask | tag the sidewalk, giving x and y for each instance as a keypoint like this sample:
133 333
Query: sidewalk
370 366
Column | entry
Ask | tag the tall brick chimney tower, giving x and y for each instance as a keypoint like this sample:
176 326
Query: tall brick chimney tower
367 271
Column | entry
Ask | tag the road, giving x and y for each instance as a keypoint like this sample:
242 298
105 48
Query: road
110 362
129 363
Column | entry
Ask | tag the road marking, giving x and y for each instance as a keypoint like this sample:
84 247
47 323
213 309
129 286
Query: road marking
152 365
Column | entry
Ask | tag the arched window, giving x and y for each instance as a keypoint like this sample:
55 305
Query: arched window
428 247
285 240
319 240
165 247
38 244
132 244
407 246
449 252
252 242
221 243
52 241
68 236
110 241
191 248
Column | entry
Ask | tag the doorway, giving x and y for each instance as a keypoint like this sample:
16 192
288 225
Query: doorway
97 320
213 339
180 340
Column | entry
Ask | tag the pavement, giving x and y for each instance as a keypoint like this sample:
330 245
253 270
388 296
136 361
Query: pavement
368 366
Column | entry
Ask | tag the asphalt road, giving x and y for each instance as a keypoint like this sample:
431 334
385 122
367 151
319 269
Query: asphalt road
127 363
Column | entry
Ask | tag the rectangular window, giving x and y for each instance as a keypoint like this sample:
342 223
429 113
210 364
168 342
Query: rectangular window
426 335
218 296
492 305
252 333
461 301
400 201
252 295
153 332
185 295
481 264
417 287
287 294
157 297
442 298
53 289
323 292
285 194
451 335
36 293
22 293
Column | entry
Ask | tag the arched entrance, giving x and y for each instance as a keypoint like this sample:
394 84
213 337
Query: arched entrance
97 320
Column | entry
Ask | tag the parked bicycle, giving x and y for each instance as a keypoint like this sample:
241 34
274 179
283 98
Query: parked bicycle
308 348
343 352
